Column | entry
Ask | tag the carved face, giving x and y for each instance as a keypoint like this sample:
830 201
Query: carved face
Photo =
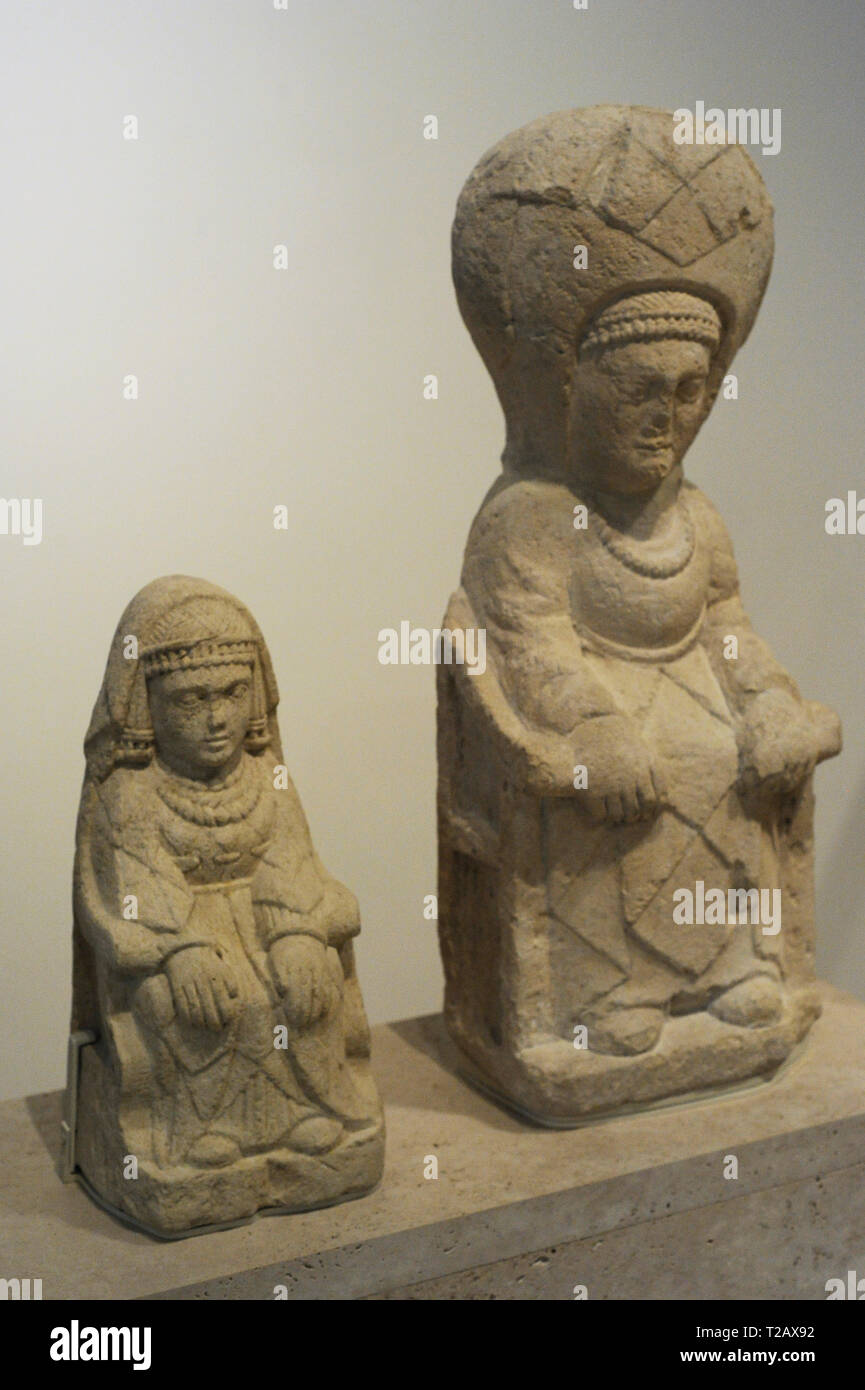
200 718
635 409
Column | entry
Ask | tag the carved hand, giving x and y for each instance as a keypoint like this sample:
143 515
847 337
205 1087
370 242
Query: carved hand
299 965
778 744
204 988
624 784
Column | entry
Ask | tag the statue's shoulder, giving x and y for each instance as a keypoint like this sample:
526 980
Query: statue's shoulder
706 516
277 789
715 537
514 508
259 767
125 800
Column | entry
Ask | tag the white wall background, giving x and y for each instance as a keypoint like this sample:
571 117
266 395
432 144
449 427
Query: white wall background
303 387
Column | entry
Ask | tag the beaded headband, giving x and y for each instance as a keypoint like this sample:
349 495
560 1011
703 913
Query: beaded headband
158 661
652 316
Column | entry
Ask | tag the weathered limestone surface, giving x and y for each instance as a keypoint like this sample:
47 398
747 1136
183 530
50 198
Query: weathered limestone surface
769 1245
630 738
635 1206
213 960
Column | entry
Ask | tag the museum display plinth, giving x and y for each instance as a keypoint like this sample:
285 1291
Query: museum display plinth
631 1207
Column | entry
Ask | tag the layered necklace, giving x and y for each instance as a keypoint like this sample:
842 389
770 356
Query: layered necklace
212 803
637 555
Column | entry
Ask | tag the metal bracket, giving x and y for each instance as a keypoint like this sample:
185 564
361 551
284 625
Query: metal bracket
69 1123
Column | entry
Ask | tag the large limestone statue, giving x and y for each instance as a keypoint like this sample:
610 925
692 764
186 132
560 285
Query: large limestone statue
228 1067
625 804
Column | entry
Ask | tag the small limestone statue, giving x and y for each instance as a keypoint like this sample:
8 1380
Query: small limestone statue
228 1070
625 801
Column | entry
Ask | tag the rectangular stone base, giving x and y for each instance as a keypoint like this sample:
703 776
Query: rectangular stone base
642 1206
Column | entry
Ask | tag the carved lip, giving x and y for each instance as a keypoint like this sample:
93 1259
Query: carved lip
656 446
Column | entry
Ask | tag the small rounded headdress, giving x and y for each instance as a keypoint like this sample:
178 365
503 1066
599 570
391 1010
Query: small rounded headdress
175 623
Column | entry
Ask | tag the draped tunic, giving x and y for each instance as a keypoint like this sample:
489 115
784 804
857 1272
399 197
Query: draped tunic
587 623
166 863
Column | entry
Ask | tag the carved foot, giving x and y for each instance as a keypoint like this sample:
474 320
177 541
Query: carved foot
213 1151
753 1003
625 1032
315 1135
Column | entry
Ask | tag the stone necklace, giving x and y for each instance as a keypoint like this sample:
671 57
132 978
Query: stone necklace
211 803
634 554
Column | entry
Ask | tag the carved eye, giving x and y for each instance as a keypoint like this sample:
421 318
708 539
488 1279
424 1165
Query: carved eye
238 691
188 699
636 392
690 389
